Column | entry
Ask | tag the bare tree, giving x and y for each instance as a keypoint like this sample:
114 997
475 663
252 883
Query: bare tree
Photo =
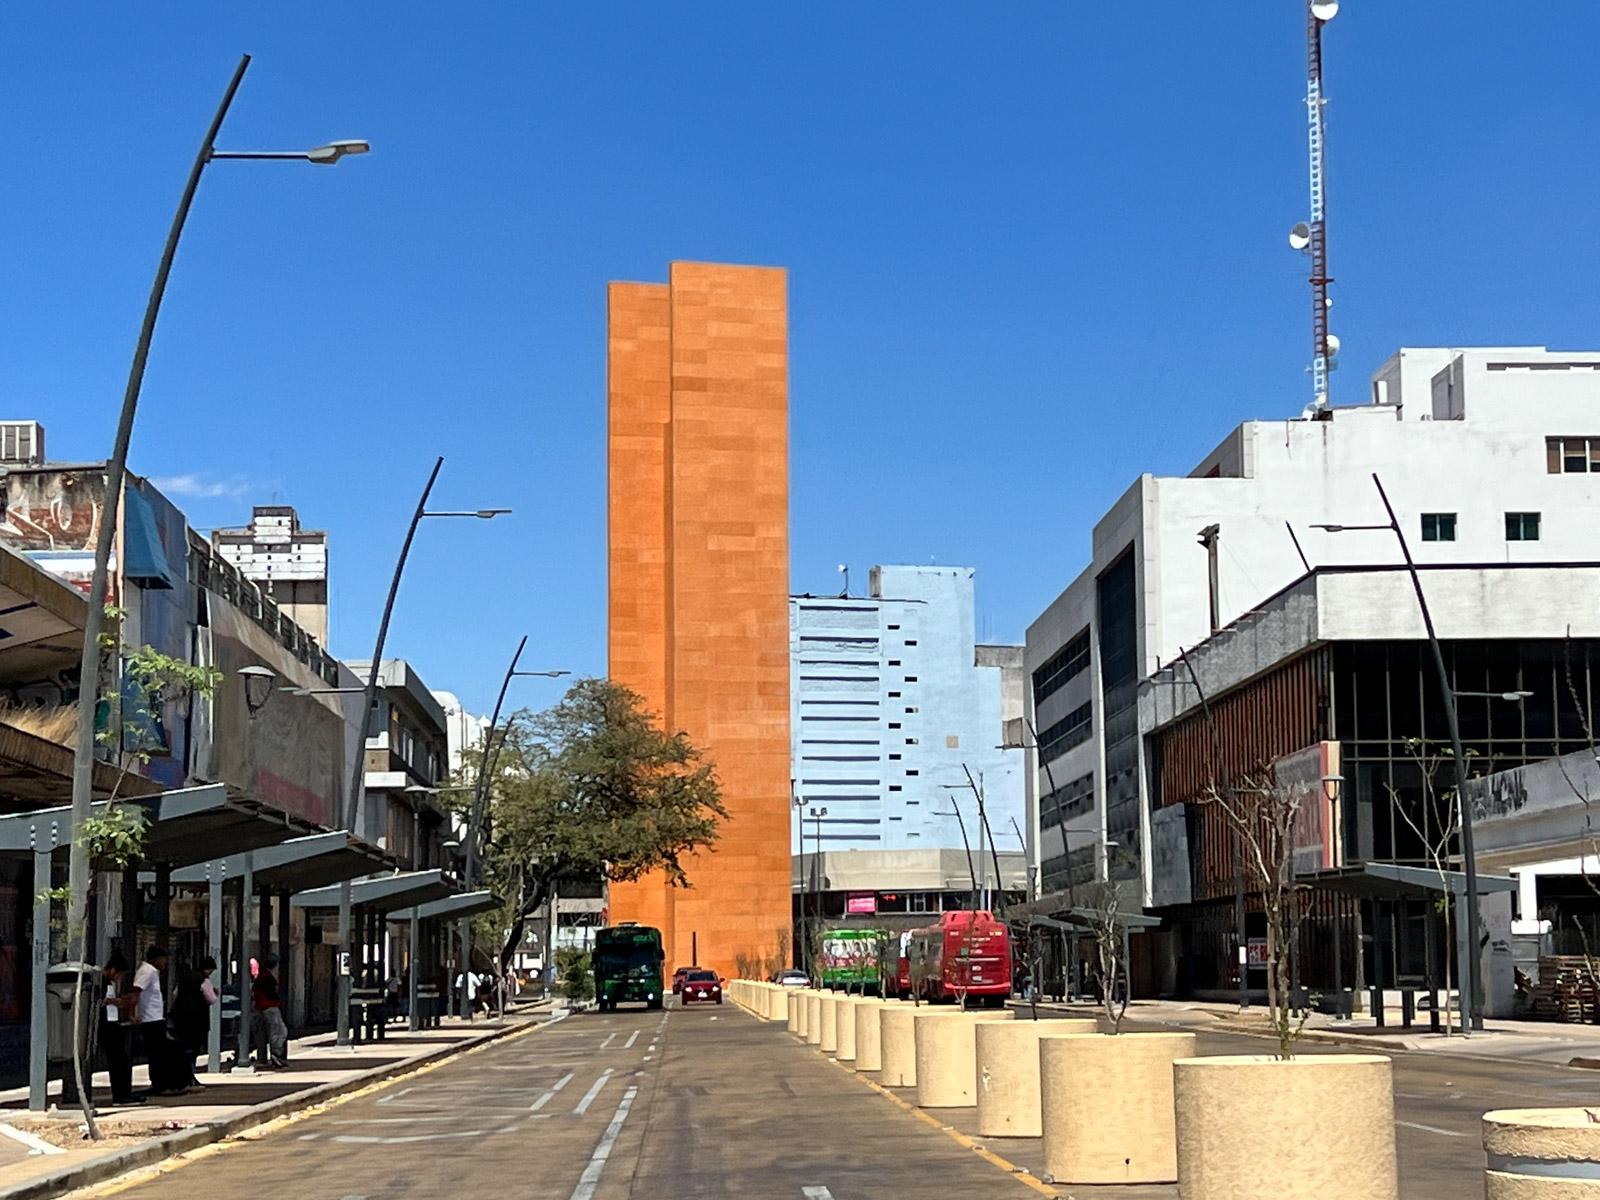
1263 815
1105 900
1436 826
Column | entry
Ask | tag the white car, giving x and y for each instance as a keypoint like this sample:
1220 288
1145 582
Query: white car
794 979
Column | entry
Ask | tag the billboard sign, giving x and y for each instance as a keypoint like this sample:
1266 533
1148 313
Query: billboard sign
1309 776
861 904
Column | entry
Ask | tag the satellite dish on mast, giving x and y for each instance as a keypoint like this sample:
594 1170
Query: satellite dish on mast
1325 10
1300 236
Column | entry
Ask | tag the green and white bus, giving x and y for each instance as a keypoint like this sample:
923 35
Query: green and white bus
627 966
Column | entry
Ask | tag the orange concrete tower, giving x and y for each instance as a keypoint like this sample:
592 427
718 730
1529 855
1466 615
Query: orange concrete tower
698 389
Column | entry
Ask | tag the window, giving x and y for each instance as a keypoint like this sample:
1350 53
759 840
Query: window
1572 455
911 708
1438 527
1522 527
911 678
894 757
1061 666
894 695
894 787
913 642
894 662
952 741
896 725
911 741
912 771
894 627
1072 730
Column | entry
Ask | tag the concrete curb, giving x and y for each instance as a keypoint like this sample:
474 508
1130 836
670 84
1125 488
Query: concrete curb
118 1162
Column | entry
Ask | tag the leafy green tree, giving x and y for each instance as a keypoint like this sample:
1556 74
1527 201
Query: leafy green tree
574 971
587 787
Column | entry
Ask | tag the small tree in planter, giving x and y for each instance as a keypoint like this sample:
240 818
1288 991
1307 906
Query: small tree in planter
1105 899
1263 815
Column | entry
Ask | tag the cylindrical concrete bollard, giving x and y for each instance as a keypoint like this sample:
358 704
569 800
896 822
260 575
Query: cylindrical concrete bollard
1008 1073
778 1005
1106 1106
829 1041
813 1018
795 1009
1314 1128
897 1044
1542 1154
844 1049
869 1033
947 1055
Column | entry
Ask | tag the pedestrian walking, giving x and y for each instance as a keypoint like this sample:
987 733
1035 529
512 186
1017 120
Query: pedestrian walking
116 1029
268 1005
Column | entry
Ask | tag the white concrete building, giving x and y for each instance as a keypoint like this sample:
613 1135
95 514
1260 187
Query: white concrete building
289 563
1477 448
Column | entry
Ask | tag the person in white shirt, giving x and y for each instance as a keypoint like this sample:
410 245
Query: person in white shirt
150 1021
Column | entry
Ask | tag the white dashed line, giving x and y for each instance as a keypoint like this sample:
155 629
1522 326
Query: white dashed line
816 1193
1431 1129
632 1038
545 1099
594 1090
597 1161
610 1037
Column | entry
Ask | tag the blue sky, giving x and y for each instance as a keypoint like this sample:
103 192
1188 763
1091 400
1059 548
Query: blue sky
1032 252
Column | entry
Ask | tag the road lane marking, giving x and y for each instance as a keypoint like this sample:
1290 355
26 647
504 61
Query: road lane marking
597 1161
610 1037
545 1099
632 1038
35 1145
392 1097
816 1193
1431 1129
594 1090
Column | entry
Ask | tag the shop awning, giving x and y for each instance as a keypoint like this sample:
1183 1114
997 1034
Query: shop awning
296 865
404 889
1076 920
189 825
455 908
1385 880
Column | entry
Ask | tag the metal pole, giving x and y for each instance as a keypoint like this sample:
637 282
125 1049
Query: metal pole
214 918
94 613
413 1018
480 801
1242 948
245 941
38 998
359 770
1473 973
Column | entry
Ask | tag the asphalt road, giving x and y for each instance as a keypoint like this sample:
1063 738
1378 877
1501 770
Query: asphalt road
709 1102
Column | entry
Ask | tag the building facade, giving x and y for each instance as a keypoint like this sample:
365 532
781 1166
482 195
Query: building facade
698 523
1486 456
893 702
286 562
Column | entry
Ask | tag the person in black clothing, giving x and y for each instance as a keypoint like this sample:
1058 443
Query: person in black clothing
115 1032
190 1021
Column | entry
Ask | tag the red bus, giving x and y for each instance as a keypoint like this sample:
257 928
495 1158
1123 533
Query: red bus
966 951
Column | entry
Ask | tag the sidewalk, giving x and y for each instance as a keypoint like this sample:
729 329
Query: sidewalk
1531 1041
223 1106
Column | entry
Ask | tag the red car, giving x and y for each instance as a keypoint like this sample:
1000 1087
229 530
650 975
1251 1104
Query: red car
677 979
701 986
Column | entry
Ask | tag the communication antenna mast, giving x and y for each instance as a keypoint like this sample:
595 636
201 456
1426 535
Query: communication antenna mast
1310 237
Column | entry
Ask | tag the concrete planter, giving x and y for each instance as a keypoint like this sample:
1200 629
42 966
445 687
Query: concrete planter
797 1008
1258 1128
945 1041
897 1044
1008 1073
777 1004
845 1040
1106 1106
1542 1154
813 1021
829 1041
869 1034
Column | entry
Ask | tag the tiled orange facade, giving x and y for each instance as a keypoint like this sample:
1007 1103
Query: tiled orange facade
699 563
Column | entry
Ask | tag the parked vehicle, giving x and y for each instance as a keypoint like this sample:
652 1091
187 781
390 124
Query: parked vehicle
967 952
702 987
791 978
850 960
677 979
627 966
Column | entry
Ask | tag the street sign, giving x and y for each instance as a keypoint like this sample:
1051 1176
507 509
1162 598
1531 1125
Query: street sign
1256 952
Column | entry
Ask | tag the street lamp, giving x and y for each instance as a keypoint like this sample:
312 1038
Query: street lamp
258 683
1474 967
116 470
816 814
369 698
325 155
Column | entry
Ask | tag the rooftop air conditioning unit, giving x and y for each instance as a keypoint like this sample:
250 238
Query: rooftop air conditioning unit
21 443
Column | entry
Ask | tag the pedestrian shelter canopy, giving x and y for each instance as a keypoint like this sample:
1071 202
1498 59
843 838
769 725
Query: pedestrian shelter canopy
1387 880
455 908
297 865
384 893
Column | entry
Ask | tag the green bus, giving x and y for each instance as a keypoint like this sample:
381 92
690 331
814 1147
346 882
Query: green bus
627 966
850 959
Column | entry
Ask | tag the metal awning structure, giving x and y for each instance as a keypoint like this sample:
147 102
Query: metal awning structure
297 865
1386 880
458 907
1076 920
404 889
182 827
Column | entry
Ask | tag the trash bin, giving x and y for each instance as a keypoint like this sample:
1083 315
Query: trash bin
60 982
